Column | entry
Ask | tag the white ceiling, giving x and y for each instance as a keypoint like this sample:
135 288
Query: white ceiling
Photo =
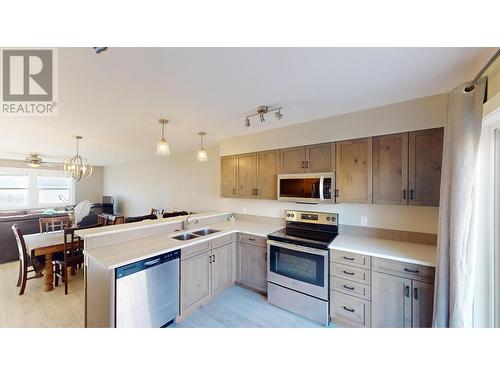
114 99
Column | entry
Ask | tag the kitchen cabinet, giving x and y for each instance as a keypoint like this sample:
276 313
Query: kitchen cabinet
308 159
246 171
425 160
422 304
354 171
391 301
206 269
195 279
398 302
228 185
253 262
390 169
221 267
267 174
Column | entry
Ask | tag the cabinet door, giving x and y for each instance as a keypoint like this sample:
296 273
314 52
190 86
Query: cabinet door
222 270
354 170
391 301
246 167
195 279
425 159
320 158
228 177
422 305
253 266
390 169
293 160
267 174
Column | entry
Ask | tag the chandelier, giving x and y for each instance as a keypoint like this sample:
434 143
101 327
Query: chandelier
77 167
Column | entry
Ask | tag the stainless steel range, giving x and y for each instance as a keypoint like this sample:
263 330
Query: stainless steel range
298 266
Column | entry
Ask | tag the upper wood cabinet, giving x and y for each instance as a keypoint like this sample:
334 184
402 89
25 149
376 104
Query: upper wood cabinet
354 170
246 170
267 174
308 159
425 160
390 169
228 186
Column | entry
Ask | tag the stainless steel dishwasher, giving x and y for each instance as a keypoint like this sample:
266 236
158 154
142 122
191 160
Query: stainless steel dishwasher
147 292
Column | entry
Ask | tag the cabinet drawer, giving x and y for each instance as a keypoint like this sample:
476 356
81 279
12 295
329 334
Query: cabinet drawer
349 311
253 240
191 251
219 241
409 270
350 273
352 288
358 260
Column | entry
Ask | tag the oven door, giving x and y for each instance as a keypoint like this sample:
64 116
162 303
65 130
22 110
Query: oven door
299 268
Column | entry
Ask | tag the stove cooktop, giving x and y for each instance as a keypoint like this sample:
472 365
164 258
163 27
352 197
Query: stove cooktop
305 237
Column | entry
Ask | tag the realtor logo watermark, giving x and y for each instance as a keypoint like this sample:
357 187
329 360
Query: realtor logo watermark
29 82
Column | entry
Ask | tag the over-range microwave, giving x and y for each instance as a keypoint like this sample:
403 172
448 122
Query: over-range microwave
306 187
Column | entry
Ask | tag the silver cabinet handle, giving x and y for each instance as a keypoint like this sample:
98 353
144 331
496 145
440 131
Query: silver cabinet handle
152 263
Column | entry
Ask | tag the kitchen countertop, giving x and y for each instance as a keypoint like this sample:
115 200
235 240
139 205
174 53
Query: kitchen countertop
120 254
396 250
93 232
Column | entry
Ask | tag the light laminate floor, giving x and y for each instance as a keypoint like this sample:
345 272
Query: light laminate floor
236 307
35 308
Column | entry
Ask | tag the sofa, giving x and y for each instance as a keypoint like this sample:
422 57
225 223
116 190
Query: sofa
27 221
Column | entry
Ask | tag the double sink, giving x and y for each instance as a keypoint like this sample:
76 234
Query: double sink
195 234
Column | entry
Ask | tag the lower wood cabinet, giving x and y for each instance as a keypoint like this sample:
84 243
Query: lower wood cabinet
381 293
205 271
398 302
253 262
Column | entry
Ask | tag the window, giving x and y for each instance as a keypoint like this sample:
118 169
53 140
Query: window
54 189
29 188
13 190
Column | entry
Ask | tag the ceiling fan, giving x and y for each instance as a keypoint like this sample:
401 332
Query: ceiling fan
35 161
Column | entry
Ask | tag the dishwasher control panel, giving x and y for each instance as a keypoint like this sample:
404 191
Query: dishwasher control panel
141 265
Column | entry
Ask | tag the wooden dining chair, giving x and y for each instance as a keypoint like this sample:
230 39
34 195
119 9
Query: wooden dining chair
111 220
158 212
27 263
50 224
71 257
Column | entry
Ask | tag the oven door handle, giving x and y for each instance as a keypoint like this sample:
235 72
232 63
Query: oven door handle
303 249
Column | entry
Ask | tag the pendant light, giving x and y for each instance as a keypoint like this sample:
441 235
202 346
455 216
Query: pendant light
202 154
163 148
77 167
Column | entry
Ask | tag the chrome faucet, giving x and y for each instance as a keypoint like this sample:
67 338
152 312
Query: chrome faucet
188 221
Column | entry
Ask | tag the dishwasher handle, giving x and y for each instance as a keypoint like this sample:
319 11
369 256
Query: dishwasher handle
152 263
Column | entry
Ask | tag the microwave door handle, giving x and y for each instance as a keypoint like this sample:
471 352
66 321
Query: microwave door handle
321 181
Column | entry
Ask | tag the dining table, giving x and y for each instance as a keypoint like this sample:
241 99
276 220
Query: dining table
46 244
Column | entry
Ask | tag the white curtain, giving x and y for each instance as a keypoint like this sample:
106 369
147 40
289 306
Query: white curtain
455 271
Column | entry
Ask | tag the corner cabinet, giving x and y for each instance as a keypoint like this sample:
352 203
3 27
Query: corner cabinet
354 171
228 184
316 158
252 254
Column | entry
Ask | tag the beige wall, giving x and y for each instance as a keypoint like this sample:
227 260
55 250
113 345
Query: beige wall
180 182
87 189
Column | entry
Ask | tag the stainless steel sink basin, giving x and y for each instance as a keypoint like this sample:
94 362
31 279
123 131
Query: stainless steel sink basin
205 231
185 236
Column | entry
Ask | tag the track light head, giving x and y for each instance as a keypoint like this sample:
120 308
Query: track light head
98 50
278 114
261 117
247 122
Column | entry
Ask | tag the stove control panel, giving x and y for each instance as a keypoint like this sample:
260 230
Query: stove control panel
312 217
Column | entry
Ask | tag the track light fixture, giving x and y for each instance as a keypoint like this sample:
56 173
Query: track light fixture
261 111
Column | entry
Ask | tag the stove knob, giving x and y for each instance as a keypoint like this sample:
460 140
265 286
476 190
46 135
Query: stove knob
287 215
328 218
